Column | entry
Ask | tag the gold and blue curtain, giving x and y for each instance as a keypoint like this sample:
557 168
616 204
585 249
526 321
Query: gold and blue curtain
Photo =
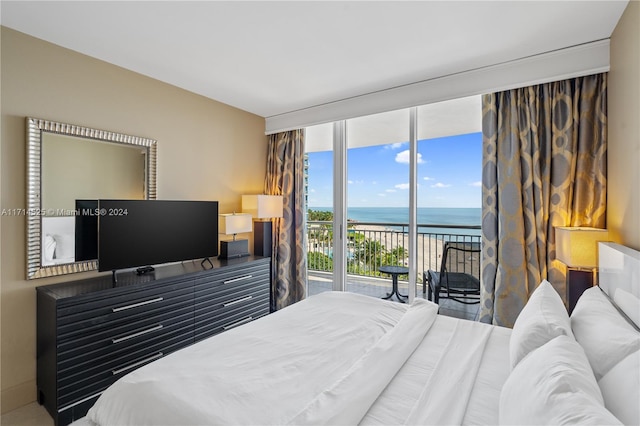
285 176
544 165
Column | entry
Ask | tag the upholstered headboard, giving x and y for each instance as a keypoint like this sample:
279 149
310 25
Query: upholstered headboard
619 278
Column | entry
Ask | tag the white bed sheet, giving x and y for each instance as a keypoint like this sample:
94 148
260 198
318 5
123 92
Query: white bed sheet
368 361
401 395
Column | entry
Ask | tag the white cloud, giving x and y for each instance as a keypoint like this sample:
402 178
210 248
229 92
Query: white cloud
440 185
312 190
402 186
382 195
396 145
478 183
390 190
403 157
429 178
350 182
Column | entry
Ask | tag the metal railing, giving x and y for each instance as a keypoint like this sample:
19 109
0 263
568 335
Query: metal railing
371 245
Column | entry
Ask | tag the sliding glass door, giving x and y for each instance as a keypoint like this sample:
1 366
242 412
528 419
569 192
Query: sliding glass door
449 191
319 182
375 185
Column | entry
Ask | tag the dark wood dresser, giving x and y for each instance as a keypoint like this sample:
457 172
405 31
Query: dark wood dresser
92 332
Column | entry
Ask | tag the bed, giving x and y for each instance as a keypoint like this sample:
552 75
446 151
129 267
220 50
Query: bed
342 358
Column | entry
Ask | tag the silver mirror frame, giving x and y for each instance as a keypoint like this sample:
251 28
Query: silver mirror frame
35 129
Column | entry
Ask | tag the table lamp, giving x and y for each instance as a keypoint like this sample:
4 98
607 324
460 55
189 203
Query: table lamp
233 224
262 208
577 247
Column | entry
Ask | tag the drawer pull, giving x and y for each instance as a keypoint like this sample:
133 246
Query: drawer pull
66 407
233 302
237 323
135 305
139 333
246 277
135 364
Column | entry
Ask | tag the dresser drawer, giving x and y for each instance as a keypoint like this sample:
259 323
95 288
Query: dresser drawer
220 295
237 319
210 320
85 332
235 276
112 371
227 301
121 304
109 341
77 410
89 368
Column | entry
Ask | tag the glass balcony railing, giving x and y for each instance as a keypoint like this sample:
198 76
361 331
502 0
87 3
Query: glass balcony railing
371 245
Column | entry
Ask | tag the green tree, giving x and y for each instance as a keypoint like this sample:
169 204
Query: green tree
395 256
319 215
369 254
318 261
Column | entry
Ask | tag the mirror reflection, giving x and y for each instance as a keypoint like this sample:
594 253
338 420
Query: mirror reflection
75 174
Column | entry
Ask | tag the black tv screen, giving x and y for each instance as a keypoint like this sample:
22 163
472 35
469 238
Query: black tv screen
134 233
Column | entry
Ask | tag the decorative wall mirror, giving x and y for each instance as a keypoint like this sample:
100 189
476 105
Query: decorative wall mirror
69 168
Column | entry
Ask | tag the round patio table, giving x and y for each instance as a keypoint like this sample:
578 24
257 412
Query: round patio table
394 271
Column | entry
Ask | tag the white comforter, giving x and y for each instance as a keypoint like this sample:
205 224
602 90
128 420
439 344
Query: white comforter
325 360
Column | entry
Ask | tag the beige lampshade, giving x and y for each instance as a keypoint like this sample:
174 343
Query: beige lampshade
262 206
578 246
234 223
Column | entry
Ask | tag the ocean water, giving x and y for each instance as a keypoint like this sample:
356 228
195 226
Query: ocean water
426 216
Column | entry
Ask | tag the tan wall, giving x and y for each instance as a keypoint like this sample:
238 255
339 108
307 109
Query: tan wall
82 169
206 151
623 203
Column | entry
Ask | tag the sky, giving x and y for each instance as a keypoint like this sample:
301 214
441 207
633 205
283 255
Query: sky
449 174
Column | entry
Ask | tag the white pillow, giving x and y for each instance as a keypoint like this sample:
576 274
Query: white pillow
65 246
621 389
49 247
553 385
542 318
603 333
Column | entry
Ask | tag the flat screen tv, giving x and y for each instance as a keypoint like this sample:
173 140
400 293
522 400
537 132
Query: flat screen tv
140 233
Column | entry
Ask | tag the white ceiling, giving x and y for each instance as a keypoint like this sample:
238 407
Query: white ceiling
271 58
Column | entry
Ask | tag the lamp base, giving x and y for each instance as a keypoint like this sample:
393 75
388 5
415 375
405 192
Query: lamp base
578 280
262 238
233 249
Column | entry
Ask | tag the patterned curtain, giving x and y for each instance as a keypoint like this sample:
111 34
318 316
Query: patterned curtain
544 165
285 176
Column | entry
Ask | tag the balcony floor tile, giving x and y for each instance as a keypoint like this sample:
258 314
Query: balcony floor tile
380 287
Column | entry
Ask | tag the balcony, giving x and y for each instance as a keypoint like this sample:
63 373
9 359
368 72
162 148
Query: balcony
371 245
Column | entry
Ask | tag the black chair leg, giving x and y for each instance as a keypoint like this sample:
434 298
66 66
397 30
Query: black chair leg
426 279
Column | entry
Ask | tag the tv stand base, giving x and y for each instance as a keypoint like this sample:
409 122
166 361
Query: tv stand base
145 270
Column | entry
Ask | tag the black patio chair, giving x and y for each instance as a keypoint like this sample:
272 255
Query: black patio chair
458 278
